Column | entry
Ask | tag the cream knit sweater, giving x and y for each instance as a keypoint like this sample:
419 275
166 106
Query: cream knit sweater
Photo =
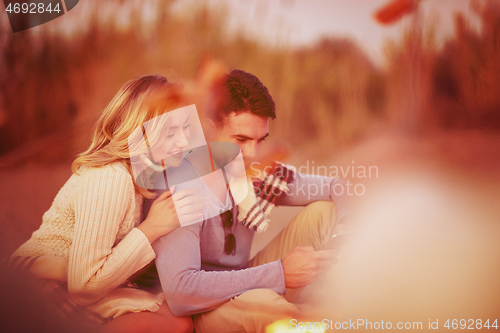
92 223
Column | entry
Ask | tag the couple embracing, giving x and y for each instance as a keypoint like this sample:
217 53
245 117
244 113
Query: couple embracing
148 190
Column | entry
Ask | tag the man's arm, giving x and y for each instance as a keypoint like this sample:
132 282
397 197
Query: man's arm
190 290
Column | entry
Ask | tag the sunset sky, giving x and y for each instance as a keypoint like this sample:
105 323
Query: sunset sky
301 22
295 22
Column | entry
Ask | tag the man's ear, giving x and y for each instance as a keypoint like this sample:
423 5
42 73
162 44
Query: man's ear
209 128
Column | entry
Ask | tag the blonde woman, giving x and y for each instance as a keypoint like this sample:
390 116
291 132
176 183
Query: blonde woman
91 239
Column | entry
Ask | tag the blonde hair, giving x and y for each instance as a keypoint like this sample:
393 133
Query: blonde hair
138 101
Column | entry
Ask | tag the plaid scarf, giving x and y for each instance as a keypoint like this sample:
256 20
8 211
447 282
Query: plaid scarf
254 210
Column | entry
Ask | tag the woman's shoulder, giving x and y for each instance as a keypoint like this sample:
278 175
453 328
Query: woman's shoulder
111 168
109 173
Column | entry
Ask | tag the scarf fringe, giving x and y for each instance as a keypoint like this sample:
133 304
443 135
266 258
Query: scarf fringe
254 211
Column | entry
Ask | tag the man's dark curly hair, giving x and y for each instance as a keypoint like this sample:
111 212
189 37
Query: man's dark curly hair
240 91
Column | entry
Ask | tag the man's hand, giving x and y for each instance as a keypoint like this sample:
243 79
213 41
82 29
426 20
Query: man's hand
304 264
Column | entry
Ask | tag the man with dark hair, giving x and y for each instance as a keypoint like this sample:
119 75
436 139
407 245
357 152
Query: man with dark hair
242 92
205 268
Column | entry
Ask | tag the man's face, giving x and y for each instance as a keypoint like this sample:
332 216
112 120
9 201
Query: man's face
245 129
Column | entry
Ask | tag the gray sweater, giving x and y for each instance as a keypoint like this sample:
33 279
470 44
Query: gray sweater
197 275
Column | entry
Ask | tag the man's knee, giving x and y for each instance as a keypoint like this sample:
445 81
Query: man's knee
317 223
323 209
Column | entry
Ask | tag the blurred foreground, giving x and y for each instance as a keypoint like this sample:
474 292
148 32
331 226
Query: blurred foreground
425 243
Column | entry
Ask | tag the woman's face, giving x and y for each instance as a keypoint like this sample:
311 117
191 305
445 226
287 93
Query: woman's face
172 142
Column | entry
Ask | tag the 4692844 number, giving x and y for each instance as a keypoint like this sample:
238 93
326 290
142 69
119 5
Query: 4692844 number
32 8
470 324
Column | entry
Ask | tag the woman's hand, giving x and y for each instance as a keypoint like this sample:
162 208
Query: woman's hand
170 210
188 206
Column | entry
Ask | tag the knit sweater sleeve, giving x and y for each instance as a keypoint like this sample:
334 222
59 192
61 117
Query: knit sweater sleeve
96 264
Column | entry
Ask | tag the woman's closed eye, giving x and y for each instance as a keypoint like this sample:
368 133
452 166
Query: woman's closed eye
173 133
